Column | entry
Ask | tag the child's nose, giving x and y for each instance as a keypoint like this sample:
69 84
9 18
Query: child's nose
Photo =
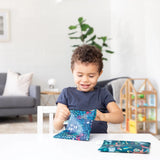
85 79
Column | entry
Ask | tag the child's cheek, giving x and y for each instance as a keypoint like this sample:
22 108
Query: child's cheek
76 79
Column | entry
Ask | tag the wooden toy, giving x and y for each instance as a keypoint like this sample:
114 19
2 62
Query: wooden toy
139 106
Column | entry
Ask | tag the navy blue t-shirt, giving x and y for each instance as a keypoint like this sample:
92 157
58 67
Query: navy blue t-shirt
96 99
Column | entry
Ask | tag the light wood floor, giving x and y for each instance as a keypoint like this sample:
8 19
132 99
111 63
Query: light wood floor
22 124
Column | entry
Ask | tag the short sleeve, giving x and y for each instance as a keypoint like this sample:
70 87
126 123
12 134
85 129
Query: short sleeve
63 97
107 97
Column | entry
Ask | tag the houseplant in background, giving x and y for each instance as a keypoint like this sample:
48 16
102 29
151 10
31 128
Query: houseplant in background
84 33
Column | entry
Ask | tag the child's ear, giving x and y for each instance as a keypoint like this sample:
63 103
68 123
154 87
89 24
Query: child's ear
100 72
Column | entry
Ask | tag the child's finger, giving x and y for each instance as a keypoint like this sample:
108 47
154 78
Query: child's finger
63 113
98 114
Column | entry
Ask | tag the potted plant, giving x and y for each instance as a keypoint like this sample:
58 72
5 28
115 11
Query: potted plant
85 34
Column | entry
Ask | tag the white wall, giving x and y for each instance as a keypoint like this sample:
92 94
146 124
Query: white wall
152 29
136 40
39 41
128 33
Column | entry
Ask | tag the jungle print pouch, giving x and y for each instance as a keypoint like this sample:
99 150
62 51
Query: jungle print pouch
125 146
79 125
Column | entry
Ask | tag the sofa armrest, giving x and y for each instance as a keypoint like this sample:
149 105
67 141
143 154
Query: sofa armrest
103 83
34 91
107 84
113 85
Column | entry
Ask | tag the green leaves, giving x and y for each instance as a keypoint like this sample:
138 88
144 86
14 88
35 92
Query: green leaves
75 45
97 45
72 27
105 59
75 37
91 39
83 37
84 27
108 51
85 33
72 33
90 31
81 20
103 39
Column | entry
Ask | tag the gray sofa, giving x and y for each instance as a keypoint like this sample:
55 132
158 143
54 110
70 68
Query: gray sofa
113 85
18 105
107 83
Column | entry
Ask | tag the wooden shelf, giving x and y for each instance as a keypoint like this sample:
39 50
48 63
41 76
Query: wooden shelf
147 121
143 92
123 96
146 92
143 107
130 97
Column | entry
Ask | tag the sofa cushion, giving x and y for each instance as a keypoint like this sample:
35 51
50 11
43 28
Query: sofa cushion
110 89
16 101
17 85
116 87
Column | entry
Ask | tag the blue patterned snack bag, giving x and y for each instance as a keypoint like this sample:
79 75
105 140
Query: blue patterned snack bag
79 125
125 146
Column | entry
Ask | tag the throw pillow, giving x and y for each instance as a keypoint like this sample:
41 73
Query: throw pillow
116 87
79 125
17 85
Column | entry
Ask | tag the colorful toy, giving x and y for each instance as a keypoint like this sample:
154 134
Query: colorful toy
140 105
141 117
139 96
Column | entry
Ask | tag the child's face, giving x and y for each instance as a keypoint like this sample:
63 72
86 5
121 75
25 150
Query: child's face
85 76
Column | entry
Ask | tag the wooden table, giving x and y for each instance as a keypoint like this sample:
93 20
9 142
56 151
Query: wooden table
49 93
44 146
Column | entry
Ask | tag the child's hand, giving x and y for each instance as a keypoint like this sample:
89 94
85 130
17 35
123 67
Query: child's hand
62 113
99 116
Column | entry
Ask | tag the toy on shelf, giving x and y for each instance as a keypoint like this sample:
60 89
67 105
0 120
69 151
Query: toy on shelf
138 100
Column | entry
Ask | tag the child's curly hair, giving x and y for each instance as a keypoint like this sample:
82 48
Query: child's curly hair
87 54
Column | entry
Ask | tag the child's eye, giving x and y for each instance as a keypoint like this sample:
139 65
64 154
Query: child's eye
79 75
91 76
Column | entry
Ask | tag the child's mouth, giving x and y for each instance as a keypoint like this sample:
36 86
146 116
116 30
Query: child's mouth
85 86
